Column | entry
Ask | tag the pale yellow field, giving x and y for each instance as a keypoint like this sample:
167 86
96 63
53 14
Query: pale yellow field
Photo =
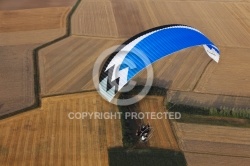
94 18
213 145
46 136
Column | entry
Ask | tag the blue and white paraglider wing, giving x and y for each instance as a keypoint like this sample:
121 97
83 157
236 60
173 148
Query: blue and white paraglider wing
155 44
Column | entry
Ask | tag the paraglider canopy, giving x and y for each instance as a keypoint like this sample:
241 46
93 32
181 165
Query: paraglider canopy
146 48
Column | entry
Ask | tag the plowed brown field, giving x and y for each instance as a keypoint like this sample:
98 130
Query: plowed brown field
213 145
17 82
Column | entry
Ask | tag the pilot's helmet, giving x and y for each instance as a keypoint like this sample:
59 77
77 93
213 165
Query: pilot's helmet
143 138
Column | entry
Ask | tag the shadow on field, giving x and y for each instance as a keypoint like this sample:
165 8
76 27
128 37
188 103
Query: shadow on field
146 157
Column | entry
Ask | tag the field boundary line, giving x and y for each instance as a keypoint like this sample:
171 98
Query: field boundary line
203 93
215 154
174 130
70 93
204 71
37 88
100 37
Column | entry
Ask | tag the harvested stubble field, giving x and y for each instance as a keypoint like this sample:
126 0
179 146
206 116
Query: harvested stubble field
220 21
213 145
109 20
162 136
33 19
31 4
225 23
30 26
21 31
27 37
46 136
221 78
70 70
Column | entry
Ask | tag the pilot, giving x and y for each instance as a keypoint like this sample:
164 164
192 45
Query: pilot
138 132
143 128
